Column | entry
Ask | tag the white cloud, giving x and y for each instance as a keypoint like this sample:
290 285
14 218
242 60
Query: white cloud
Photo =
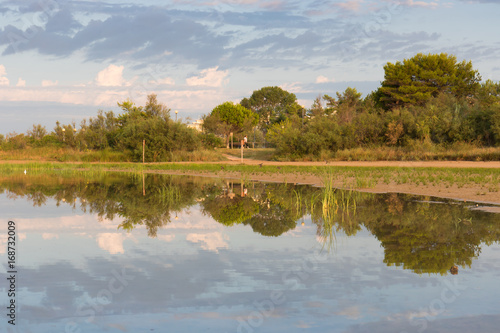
352 312
21 83
166 238
3 80
323 79
210 242
111 76
111 242
47 236
199 100
353 5
294 87
166 81
210 77
412 3
49 83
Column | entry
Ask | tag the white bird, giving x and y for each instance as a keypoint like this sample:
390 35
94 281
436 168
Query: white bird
24 171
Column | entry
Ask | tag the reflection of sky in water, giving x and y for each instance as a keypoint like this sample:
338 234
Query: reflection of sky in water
76 272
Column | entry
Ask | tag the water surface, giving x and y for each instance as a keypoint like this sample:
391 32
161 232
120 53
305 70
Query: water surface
151 253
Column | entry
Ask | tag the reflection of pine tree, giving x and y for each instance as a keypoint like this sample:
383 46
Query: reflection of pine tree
423 236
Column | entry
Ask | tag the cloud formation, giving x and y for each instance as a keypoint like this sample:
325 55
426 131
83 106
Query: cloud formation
4 81
111 242
266 37
186 51
210 242
324 79
21 83
210 77
49 83
111 76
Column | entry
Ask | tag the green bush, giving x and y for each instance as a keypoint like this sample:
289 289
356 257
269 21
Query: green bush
211 141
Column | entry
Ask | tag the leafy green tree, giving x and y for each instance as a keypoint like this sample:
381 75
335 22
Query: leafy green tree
15 141
317 109
414 81
488 93
228 118
151 124
348 104
272 104
286 138
484 125
101 131
153 108
37 133
367 129
331 104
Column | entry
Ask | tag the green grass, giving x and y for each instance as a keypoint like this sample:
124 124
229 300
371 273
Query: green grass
261 154
58 154
488 179
415 152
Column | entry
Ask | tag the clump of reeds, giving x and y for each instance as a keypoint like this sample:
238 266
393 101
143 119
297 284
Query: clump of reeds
338 206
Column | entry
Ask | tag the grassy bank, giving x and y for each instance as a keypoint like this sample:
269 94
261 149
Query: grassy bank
486 179
423 152
58 154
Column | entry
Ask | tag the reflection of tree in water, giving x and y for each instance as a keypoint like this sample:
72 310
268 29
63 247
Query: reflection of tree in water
230 210
416 234
112 195
256 207
427 237
272 220
163 195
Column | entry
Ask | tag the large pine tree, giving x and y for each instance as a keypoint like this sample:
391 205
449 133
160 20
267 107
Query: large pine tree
414 81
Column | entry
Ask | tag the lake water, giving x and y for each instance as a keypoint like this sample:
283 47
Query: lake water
151 253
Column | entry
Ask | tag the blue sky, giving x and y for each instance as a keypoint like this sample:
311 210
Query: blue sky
64 60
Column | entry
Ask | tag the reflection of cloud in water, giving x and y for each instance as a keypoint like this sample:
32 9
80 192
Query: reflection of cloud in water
210 242
302 324
68 223
48 236
111 242
3 242
195 220
487 323
351 313
166 238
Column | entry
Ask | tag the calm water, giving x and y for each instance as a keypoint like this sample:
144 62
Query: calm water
133 253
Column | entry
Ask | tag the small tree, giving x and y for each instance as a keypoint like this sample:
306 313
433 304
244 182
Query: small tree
229 118
37 132
272 104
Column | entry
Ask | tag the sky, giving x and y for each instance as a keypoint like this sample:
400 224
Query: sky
65 60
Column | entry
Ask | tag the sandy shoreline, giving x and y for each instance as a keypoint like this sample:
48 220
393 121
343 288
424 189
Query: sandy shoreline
474 193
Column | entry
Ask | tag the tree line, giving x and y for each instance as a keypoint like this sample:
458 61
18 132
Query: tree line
424 101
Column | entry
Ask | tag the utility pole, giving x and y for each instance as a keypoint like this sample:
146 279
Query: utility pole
241 144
